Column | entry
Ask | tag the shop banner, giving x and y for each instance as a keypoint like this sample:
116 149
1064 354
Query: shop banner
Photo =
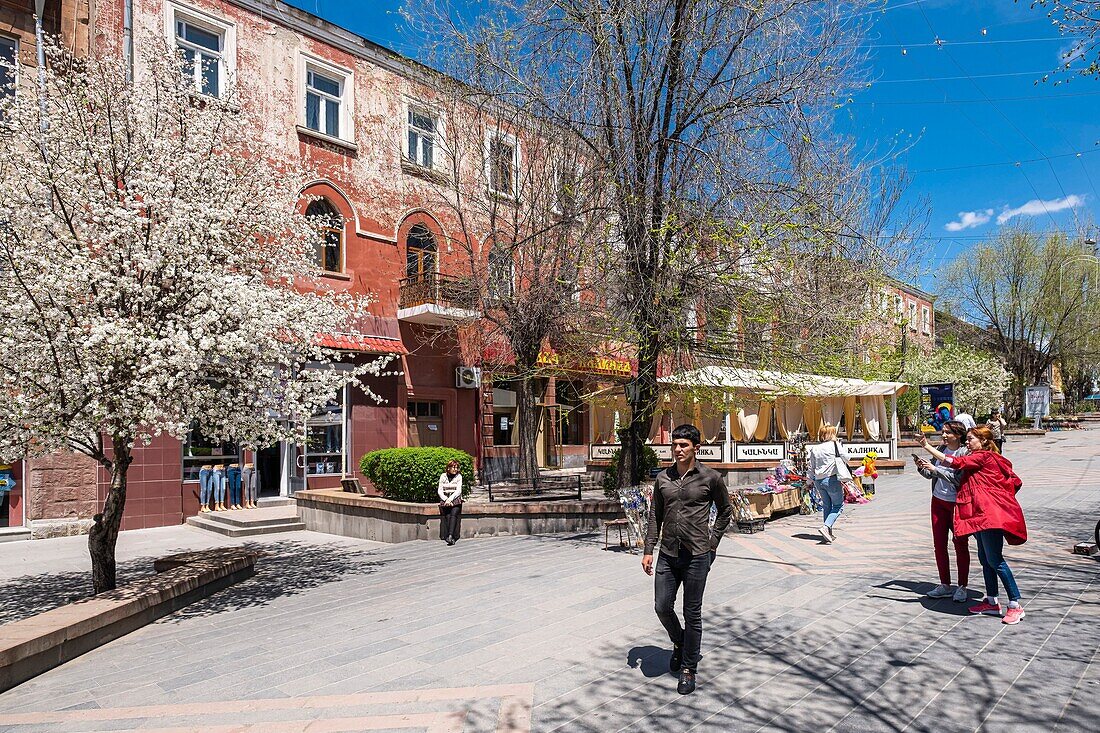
937 406
744 452
859 450
1037 401
708 452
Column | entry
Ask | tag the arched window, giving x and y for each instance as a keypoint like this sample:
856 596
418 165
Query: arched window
419 252
330 250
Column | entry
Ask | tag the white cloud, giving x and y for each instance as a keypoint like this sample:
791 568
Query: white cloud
1037 206
969 220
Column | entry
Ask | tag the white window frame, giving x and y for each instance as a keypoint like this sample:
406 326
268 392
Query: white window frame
912 306
15 59
508 140
346 78
413 106
926 319
558 183
227 67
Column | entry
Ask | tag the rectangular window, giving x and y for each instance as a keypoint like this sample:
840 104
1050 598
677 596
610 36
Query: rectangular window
912 315
570 414
324 102
203 50
8 56
502 166
199 451
926 319
504 413
422 134
325 438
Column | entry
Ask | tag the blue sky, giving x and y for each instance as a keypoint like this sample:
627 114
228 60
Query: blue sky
985 144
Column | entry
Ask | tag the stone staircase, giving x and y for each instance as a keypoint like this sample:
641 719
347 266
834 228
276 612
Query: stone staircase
268 519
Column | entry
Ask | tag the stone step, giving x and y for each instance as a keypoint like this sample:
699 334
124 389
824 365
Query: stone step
205 521
13 534
254 517
269 501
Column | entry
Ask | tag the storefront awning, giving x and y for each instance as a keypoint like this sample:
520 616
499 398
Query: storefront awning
762 382
363 343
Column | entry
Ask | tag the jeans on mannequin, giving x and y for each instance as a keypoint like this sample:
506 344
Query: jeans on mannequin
218 480
233 478
206 485
249 482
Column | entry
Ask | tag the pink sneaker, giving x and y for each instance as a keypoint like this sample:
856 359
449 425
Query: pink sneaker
1013 616
989 609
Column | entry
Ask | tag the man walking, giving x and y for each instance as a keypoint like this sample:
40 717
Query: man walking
681 507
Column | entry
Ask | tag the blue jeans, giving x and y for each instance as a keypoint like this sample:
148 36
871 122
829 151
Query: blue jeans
233 478
206 486
832 498
990 544
218 479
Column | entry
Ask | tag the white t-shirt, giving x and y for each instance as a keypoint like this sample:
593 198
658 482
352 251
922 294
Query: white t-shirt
450 488
966 419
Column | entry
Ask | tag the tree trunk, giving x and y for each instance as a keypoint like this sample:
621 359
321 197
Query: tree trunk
104 532
642 410
527 415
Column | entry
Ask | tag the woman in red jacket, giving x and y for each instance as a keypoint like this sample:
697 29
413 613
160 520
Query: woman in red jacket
986 507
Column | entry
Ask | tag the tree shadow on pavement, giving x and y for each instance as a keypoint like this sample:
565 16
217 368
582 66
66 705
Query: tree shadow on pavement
799 672
283 568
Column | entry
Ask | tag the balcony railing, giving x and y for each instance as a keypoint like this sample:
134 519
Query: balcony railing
442 294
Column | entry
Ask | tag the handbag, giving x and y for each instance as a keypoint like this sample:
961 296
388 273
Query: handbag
843 472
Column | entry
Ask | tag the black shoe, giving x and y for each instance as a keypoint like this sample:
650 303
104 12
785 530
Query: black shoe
687 681
677 660
450 541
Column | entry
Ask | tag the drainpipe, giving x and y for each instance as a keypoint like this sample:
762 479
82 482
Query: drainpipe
128 37
39 9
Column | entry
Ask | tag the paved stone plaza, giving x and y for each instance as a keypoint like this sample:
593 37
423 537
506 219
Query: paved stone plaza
556 634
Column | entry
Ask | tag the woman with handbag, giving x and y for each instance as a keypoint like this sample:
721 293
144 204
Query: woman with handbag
986 507
945 486
450 503
828 465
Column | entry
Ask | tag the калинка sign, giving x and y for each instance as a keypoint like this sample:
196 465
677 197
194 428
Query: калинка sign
744 452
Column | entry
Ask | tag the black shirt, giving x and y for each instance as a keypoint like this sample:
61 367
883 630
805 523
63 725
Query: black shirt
681 505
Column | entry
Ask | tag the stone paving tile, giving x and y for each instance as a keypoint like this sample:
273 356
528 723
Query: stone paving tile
798 635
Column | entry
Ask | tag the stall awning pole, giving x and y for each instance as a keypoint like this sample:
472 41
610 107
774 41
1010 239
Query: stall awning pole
728 447
894 426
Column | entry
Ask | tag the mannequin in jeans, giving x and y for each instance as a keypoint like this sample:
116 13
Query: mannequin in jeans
206 487
249 481
218 478
233 478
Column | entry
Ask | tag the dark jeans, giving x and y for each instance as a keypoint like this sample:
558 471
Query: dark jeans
450 526
691 572
990 544
1000 444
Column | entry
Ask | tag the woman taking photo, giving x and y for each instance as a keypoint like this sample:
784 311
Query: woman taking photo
450 503
828 464
945 484
986 507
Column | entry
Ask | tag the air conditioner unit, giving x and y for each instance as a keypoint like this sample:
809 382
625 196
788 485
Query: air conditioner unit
468 377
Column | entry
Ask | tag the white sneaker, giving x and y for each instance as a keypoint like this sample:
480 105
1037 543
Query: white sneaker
825 534
960 595
940 591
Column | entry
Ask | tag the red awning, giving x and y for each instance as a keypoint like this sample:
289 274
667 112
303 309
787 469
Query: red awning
365 344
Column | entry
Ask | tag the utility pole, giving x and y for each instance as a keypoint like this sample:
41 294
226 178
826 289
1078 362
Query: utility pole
39 9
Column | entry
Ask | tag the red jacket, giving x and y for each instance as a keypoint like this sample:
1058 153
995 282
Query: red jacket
987 496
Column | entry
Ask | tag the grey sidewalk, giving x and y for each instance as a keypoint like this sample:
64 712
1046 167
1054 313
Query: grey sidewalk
555 634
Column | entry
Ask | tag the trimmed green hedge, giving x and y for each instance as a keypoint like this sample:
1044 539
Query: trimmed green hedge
611 476
412 474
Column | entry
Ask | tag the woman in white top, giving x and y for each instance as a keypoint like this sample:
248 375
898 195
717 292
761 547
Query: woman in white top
945 483
450 503
824 468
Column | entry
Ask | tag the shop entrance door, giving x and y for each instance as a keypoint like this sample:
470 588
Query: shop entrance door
269 470
425 424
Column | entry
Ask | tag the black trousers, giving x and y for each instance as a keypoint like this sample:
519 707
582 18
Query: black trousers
450 526
691 572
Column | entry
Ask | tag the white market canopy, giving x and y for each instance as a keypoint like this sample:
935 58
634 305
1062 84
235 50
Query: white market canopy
762 382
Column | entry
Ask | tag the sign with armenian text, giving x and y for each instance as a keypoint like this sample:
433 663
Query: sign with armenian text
759 452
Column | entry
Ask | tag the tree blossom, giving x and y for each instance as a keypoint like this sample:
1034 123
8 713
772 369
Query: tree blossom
159 275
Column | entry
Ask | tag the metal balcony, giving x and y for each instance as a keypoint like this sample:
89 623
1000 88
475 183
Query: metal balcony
436 299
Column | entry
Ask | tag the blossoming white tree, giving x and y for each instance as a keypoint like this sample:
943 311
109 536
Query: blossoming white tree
157 276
